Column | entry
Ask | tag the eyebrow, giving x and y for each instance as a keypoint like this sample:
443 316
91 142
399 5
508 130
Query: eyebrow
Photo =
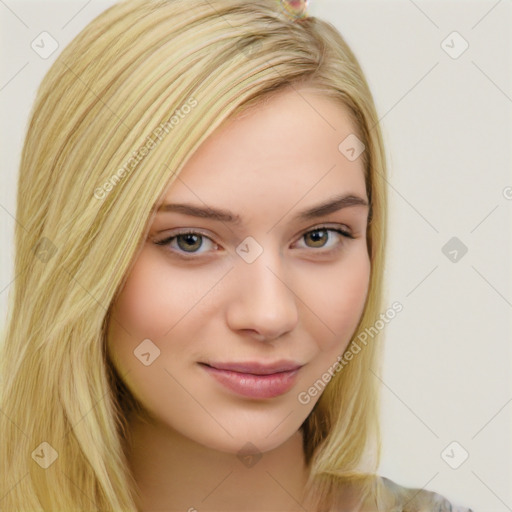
332 205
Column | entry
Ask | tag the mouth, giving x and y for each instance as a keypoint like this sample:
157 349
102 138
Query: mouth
256 368
255 380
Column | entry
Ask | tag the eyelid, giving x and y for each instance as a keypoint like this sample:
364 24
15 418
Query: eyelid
326 225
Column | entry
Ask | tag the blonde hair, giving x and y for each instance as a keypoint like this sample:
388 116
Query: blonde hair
87 188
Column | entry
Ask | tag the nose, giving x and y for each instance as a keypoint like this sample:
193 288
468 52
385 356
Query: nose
262 302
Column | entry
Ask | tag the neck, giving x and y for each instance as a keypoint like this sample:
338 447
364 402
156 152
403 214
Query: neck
175 473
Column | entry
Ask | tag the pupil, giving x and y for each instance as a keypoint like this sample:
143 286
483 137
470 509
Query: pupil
318 236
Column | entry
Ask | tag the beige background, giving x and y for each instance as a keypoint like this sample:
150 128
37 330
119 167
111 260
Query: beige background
448 127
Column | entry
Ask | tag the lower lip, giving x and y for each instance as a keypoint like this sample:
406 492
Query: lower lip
254 386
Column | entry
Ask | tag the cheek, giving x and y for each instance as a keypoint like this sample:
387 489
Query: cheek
156 303
160 301
156 297
146 308
339 302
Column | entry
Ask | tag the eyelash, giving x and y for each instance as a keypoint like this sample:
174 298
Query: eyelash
191 255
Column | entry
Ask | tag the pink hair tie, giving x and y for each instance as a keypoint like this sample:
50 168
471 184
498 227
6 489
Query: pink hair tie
295 9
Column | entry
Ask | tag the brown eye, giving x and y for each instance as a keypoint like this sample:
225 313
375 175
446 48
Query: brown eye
189 242
318 237
325 238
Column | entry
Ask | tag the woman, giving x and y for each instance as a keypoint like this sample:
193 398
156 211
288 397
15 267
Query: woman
201 232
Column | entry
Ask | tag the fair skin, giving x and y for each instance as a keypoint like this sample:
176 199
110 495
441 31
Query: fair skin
299 300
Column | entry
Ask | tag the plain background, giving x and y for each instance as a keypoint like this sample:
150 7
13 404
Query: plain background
447 123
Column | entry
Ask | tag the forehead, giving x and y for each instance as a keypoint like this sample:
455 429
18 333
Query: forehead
282 152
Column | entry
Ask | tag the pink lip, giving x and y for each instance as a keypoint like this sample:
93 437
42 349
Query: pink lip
255 380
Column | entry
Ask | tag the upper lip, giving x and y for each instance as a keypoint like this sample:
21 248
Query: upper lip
257 368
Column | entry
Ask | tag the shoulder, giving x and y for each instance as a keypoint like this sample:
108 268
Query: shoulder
406 499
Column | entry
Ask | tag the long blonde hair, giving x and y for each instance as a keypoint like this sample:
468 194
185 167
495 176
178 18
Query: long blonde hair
92 170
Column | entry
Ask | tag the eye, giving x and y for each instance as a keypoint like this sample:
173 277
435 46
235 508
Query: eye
187 244
321 235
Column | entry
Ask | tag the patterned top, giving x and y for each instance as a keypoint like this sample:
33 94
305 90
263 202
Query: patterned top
388 496
404 499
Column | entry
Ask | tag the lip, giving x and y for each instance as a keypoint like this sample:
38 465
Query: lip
257 368
255 380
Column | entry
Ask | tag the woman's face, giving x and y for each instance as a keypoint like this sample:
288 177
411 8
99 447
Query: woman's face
263 282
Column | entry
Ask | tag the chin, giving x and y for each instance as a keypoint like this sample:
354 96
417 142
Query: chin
247 445
246 438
